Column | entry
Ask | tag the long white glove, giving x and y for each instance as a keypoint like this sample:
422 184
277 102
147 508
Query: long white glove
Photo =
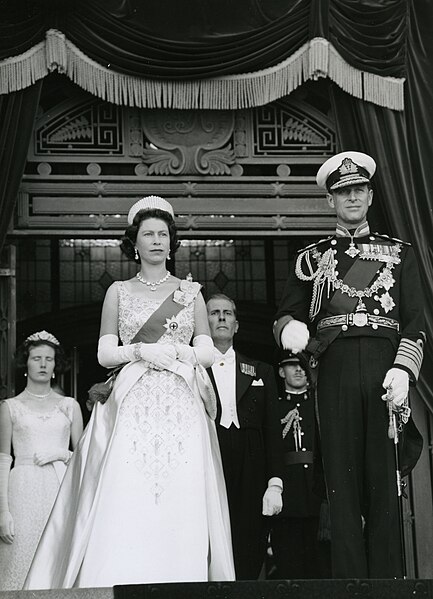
111 354
7 531
272 503
202 351
55 455
396 382
294 336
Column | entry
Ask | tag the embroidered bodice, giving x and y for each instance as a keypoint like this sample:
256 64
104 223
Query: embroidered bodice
134 311
34 432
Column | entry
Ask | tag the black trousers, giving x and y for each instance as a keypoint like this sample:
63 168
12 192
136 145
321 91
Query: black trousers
358 458
297 553
243 459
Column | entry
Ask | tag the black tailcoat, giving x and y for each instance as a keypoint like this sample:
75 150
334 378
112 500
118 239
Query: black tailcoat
251 455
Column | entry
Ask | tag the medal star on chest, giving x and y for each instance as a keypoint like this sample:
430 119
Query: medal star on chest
171 324
386 302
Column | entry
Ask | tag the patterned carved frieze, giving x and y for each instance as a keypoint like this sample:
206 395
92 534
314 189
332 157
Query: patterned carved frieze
232 171
188 142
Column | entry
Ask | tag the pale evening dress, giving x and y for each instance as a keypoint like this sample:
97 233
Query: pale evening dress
32 488
155 501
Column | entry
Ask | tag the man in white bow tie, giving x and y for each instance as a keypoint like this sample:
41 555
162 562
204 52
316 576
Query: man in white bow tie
249 435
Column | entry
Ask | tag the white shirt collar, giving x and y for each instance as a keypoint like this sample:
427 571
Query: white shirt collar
228 356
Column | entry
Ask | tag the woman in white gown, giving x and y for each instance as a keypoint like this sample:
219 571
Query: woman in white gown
39 425
144 499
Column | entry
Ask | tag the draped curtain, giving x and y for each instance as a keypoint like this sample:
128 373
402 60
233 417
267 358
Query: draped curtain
17 114
189 39
222 53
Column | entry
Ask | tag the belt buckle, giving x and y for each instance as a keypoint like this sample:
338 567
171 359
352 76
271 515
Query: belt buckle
360 319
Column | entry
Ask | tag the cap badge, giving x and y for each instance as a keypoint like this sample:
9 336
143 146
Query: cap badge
348 167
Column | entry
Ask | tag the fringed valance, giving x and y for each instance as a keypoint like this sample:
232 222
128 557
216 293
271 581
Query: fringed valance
316 58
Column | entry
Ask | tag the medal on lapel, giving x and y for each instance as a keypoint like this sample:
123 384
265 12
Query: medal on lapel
248 369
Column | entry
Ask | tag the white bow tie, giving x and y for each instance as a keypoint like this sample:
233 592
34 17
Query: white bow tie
227 358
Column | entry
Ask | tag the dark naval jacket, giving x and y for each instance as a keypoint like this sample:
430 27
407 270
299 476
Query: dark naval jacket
366 287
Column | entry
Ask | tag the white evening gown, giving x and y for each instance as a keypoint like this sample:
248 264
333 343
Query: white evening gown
32 489
156 498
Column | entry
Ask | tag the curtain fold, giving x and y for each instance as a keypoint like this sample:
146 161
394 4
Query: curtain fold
171 39
17 115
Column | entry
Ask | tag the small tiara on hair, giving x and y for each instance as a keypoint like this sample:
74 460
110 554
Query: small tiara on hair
149 203
42 336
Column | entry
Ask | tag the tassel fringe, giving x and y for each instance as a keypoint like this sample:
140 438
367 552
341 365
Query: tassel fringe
317 58
21 71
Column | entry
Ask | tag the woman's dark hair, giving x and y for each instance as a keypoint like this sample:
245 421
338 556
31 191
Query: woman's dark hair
23 351
128 240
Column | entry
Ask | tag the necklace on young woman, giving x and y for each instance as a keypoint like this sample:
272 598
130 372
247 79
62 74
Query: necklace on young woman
153 284
43 396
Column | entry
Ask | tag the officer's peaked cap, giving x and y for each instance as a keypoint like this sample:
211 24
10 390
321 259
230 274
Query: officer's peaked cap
288 357
346 168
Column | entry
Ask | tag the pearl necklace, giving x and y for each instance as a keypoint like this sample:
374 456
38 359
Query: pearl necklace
38 396
153 284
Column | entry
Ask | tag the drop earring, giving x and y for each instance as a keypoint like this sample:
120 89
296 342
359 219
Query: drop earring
136 256
53 376
25 374
168 256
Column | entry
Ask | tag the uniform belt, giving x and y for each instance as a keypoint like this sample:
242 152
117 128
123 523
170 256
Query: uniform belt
357 319
298 457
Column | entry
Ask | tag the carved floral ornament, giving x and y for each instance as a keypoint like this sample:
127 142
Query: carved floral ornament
188 142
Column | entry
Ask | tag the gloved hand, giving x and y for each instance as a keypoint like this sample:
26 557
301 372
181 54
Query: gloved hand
47 457
160 355
396 382
294 336
202 351
272 500
111 354
7 531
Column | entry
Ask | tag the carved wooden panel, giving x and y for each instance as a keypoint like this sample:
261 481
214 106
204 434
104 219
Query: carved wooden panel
188 142
224 171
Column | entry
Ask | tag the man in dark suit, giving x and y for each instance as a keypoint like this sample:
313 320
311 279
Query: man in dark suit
249 436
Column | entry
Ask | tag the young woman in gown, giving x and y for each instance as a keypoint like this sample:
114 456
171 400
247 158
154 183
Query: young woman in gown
38 424
144 499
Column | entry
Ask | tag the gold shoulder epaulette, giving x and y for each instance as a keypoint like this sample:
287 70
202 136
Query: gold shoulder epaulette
393 239
315 244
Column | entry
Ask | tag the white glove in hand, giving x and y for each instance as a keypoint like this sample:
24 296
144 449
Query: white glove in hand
47 457
294 336
396 382
6 521
110 353
202 352
272 501
160 355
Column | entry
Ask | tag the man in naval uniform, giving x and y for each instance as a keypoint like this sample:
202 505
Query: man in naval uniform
249 436
356 300
294 537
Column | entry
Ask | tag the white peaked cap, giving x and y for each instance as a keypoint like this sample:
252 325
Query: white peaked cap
346 168
149 203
